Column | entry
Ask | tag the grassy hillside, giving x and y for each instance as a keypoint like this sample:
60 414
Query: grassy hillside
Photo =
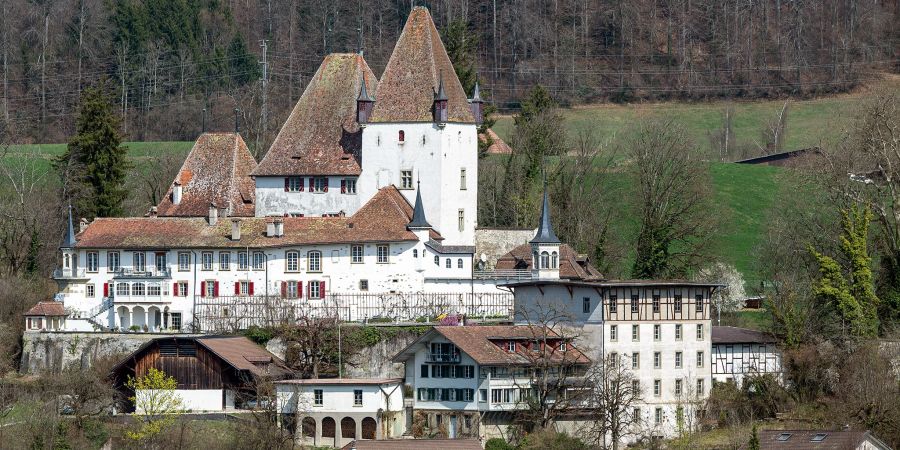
45 153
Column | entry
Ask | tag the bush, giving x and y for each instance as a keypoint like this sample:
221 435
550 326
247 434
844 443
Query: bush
498 444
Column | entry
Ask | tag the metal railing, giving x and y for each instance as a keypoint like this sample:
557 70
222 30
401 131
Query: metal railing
503 274
69 273
148 272
442 357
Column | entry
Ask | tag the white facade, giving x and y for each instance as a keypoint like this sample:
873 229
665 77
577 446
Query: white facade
189 400
274 199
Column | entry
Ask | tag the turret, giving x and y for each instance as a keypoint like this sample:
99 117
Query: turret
439 110
476 104
364 104
545 247
69 267
421 228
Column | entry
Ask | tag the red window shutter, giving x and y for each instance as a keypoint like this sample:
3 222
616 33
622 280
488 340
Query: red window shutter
312 185
343 186
250 288
237 288
287 184
106 289
326 185
175 290
299 289
321 289
203 289
216 289
283 289
309 290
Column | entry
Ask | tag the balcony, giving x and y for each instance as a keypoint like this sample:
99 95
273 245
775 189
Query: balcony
70 274
146 273
442 358
503 274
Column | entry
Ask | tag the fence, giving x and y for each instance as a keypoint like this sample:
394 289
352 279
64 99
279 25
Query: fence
223 314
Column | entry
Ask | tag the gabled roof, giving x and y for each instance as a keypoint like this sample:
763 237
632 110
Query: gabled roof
321 136
735 335
480 343
217 170
407 88
571 266
47 309
382 219
816 440
498 145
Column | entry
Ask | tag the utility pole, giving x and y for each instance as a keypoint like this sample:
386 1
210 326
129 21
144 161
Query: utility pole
265 80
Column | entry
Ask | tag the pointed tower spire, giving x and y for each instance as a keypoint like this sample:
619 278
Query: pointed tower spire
69 242
545 234
476 92
441 94
364 102
363 93
476 104
418 218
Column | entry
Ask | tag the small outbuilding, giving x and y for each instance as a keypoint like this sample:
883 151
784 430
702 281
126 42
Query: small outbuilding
46 316
740 352
818 440
214 373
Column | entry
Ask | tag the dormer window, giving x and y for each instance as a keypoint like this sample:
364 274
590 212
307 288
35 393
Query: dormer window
510 346
401 137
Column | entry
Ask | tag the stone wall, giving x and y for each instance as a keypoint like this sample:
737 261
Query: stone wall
496 242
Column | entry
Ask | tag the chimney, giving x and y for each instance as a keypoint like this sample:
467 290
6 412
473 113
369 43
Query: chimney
213 214
82 224
235 229
153 212
176 193
270 227
279 226
439 108
476 105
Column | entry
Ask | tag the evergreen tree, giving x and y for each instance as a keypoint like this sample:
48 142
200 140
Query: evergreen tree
850 291
461 45
32 265
754 440
539 131
100 158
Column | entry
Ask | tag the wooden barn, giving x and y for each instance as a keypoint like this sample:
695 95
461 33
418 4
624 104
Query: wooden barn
214 373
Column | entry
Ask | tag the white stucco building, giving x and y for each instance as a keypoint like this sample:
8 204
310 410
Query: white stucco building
740 352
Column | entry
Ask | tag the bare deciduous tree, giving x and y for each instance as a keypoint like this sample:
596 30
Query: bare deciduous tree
613 395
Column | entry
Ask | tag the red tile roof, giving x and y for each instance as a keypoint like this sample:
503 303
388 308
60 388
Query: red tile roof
803 440
338 381
382 219
217 170
321 136
571 266
407 86
243 354
414 444
47 309
498 146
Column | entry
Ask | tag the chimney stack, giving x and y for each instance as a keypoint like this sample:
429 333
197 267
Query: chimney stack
82 225
153 212
279 226
213 214
235 229
176 193
270 227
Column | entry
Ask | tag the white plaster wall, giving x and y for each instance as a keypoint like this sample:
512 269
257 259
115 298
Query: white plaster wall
339 398
417 381
195 400
558 302
271 198
733 362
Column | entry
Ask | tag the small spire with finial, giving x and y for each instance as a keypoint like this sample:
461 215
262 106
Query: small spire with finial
70 232
237 128
418 218
545 234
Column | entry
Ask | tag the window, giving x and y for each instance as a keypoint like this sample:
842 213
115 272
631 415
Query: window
206 261
613 333
138 289
259 261
510 346
292 261
348 186
635 388
678 332
315 289
356 254
655 303
364 285
636 413
401 136
314 261
657 388
423 371
612 303
562 346
678 387
176 321
657 418
243 288
700 386
699 359
509 395
357 397
319 184
635 360
184 261
461 219
677 360
123 289
89 290
784 437
154 289
634 304
545 260
614 357
437 260
657 360
112 263
635 333
462 179
209 288
293 184
482 395
160 261
699 303
496 395
415 253
586 305
657 332
553 260
448 264
93 261
699 331
382 252
318 399
406 179
243 261
292 289
819 437
224 261
139 262
181 289
459 263
678 302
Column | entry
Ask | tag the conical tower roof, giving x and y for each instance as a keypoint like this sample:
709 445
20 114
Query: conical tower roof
418 218
69 242
545 234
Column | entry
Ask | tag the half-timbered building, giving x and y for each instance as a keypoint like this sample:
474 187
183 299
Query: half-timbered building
740 352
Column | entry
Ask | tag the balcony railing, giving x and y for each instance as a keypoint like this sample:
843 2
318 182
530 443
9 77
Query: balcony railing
503 274
442 358
149 272
63 274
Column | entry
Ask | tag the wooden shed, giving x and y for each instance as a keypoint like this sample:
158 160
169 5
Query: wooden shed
214 373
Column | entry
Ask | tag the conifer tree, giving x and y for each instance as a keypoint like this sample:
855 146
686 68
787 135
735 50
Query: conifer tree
97 152
754 440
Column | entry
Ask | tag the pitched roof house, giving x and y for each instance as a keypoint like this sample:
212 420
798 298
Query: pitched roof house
818 440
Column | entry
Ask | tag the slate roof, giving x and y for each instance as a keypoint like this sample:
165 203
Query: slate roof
448 249
479 342
321 136
571 266
802 440
382 219
413 73
217 170
47 309
414 444
735 335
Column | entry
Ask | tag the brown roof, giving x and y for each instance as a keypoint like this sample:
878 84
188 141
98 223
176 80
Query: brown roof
321 136
217 170
338 381
48 309
481 343
243 354
803 440
735 335
414 444
382 219
407 86
571 266
498 146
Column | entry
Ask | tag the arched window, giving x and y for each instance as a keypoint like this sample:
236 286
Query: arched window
138 289
553 260
449 263
314 261
459 263
401 136
123 289
415 253
437 260
293 261
534 262
66 261
545 260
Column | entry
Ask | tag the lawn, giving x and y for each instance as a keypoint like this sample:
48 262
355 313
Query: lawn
45 153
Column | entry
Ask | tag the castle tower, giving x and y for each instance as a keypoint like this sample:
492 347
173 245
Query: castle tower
545 246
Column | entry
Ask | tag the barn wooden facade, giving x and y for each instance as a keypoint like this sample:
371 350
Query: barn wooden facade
213 373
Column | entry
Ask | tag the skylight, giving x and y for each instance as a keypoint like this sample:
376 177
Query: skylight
819 437
784 436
